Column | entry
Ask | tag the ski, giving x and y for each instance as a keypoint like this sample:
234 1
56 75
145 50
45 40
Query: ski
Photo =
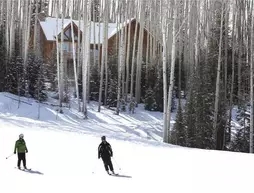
23 169
113 174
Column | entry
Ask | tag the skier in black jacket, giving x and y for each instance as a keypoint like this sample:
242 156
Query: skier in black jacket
105 152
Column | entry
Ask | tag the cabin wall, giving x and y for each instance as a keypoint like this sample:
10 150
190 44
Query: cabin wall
113 42
47 49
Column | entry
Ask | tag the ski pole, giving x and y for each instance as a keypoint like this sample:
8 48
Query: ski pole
116 163
10 156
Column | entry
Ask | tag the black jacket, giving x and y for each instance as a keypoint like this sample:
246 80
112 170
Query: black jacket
105 150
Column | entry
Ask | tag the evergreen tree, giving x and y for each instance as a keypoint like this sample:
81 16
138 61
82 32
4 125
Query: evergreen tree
240 142
199 111
150 102
2 59
14 79
35 77
204 109
146 84
51 71
157 85
94 83
222 121
178 134
112 85
40 87
241 138
189 119
173 102
158 94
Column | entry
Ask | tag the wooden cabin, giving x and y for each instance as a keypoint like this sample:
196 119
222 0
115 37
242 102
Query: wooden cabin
49 28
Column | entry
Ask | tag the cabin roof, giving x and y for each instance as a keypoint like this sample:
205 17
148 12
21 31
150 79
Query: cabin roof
50 29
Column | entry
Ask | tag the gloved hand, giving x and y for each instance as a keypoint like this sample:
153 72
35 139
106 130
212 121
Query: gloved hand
26 151
14 152
99 157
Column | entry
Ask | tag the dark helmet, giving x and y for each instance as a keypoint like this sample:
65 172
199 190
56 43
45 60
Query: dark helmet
103 138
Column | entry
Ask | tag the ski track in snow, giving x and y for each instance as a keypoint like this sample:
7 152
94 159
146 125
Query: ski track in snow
63 154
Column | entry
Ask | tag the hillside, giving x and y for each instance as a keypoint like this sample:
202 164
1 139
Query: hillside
140 126
63 154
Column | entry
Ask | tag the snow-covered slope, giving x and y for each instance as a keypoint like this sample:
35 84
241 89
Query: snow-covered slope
63 155
140 126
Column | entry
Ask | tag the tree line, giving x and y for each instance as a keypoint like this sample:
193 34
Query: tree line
199 50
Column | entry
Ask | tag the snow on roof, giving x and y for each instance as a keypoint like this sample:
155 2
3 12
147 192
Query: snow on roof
117 28
50 29
98 28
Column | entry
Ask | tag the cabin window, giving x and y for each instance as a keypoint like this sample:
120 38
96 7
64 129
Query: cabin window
68 33
65 46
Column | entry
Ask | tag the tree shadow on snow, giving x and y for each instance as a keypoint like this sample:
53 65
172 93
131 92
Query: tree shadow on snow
33 172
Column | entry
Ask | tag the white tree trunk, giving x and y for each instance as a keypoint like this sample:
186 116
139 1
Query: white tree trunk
172 73
35 27
104 50
58 62
7 37
197 39
133 59
99 42
88 53
120 66
61 67
74 63
251 84
140 52
79 42
124 73
165 93
27 34
84 56
128 56
94 38
233 74
239 69
12 28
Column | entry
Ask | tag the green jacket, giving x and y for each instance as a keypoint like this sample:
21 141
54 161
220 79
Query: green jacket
20 146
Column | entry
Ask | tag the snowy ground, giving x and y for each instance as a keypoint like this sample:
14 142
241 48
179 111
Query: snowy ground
140 126
63 155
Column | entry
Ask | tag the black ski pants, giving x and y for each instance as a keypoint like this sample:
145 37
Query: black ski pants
22 157
107 163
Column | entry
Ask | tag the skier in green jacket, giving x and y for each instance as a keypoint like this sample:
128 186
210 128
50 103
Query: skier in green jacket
20 147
